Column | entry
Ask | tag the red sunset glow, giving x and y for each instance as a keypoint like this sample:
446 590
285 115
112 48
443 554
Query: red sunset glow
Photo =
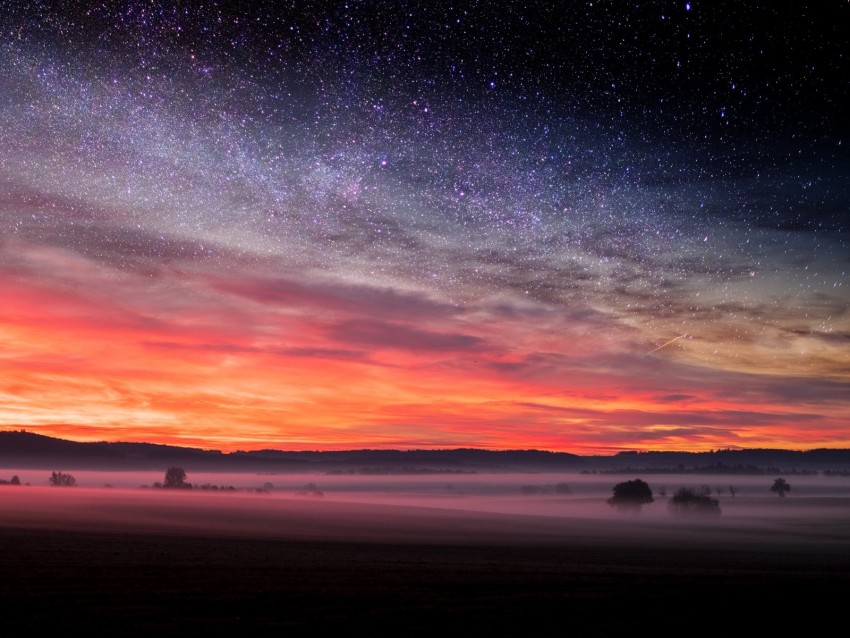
189 356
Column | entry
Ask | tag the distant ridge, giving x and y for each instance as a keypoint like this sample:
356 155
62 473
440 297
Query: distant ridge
21 449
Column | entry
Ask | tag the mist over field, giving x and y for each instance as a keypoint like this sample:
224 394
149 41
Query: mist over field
508 554
545 508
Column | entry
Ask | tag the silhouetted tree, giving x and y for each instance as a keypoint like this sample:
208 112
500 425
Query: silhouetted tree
15 480
62 479
631 495
687 500
175 477
780 486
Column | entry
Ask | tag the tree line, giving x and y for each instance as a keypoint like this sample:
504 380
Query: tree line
634 494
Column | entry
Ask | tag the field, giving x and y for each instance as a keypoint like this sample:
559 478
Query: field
418 556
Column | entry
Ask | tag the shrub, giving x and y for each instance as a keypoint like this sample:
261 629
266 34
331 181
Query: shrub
688 501
631 495
62 479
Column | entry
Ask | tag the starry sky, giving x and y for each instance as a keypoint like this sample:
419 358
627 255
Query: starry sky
576 226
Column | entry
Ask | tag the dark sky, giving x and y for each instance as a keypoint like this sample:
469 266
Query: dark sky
770 67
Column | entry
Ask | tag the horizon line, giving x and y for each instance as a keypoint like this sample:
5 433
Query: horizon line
422 449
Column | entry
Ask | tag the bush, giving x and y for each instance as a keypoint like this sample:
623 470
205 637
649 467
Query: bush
62 479
688 501
780 486
631 495
176 477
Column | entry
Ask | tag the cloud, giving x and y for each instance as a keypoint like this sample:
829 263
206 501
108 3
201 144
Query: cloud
234 348
382 334
675 398
327 297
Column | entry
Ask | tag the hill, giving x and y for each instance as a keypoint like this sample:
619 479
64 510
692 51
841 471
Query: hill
22 449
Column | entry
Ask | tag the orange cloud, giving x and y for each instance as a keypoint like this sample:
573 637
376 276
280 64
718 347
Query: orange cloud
229 361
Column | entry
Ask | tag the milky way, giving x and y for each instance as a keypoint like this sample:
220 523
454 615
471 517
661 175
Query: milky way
373 224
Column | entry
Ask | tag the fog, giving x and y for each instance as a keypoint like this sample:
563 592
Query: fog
520 508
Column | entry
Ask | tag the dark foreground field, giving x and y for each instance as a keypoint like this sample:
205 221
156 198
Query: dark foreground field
125 567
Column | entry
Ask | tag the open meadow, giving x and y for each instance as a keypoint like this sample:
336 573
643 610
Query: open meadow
508 554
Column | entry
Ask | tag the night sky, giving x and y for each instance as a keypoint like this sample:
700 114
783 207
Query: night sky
578 226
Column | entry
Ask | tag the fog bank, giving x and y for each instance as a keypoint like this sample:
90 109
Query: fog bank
538 508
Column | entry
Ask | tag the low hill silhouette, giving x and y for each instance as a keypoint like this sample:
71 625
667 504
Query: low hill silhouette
27 449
